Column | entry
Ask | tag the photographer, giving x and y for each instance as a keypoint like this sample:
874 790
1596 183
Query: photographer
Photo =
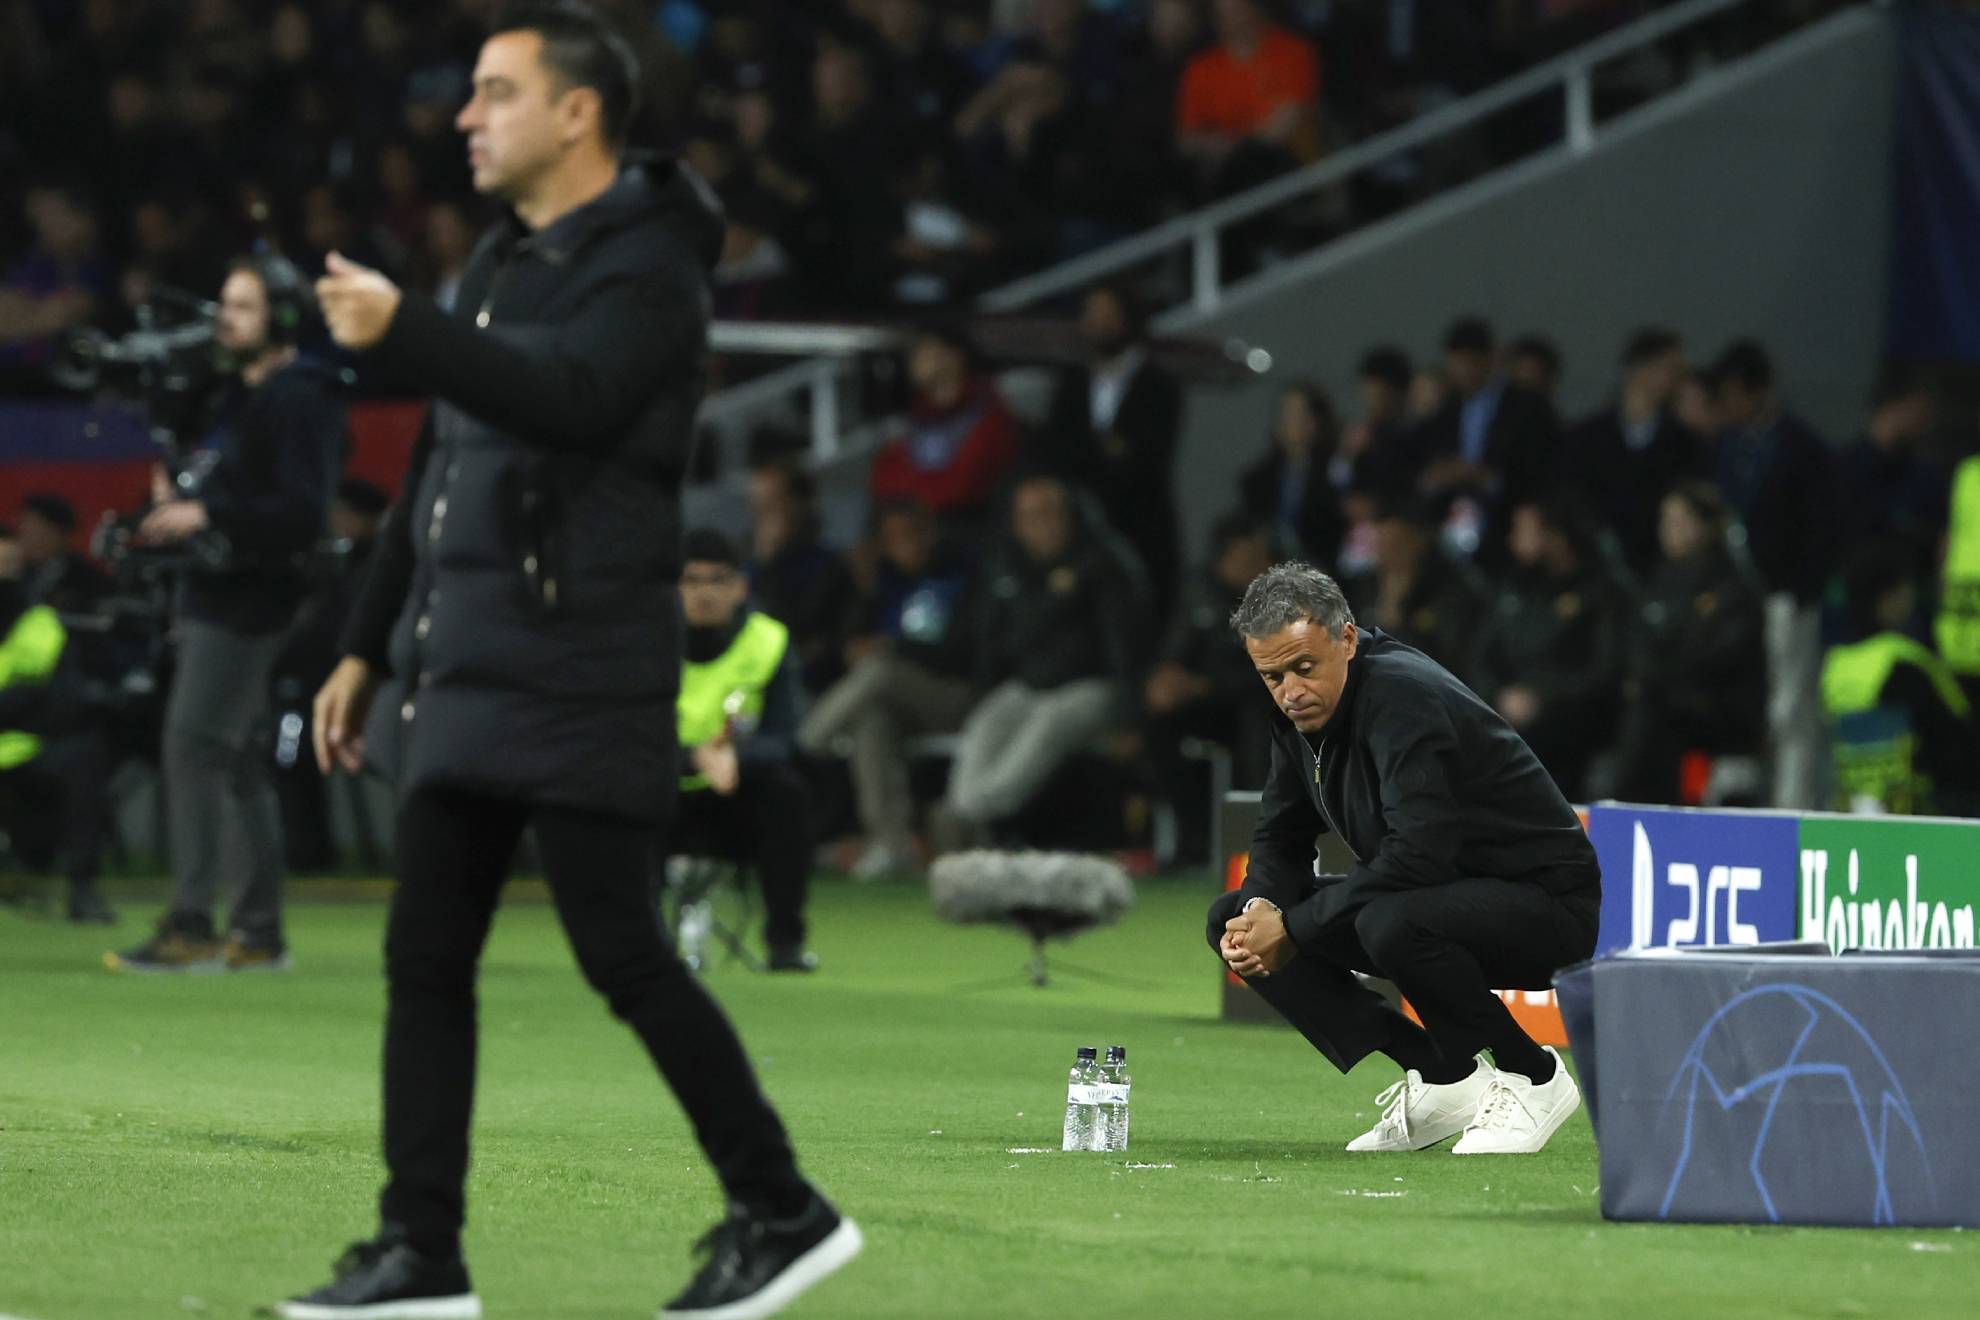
248 502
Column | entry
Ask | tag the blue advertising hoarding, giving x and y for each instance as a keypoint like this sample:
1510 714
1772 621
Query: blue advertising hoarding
1672 876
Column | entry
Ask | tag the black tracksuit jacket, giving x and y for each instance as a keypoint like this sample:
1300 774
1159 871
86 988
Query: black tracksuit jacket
1424 783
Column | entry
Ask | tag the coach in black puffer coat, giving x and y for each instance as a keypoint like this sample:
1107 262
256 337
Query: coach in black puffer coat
524 599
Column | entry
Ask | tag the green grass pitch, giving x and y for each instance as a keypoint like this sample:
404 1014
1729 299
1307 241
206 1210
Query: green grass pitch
201 1146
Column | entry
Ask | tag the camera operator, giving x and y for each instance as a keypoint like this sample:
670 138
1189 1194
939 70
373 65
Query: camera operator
252 499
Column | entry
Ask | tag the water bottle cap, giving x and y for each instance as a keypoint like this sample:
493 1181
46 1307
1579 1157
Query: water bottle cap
1117 1054
1089 1052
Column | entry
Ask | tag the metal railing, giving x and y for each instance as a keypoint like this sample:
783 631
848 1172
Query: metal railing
1571 74
820 379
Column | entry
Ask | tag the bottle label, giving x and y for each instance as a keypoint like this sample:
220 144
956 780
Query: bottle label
1077 1094
1110 1093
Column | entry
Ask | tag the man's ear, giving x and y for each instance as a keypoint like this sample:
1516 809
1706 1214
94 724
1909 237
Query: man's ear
584 112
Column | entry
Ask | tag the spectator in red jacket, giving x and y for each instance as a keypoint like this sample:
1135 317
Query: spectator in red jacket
961 438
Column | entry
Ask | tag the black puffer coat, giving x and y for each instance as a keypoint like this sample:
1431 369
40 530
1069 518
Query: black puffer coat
524 598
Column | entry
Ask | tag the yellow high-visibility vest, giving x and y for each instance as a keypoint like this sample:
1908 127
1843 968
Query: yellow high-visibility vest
730 686
29 654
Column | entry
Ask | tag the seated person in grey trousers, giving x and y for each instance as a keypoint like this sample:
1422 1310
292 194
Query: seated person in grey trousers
1060 635
908 673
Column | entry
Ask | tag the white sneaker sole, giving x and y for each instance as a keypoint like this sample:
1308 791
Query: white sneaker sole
1535 1143
799 1277
462 1306
1422 1139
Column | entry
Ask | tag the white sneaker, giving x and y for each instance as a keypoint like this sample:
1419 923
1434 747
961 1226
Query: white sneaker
1421 1113
1516 1116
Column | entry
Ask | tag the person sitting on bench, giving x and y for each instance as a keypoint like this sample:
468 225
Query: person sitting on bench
741 795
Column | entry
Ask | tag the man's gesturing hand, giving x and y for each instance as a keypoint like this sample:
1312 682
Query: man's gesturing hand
1255 942
341 707
358 303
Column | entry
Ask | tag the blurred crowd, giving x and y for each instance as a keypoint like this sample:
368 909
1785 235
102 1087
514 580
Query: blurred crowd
1663 596
1685 597
873 155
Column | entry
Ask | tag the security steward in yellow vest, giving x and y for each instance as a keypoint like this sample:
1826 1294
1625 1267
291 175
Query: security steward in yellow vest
741 794
1902 731
1956 631
46 755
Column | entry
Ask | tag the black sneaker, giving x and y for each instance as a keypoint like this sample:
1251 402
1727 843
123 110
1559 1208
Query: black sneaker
182 944
385 1279
792 958
246 955
757 1267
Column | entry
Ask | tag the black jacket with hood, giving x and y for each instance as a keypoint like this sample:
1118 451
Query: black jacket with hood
1424 783
524 597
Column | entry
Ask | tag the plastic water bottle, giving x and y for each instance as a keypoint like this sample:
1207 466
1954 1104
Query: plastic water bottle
1082 1103
1111 1132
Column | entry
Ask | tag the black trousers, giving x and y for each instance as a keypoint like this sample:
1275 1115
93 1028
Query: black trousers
455 849
1447 948
765 822
56 808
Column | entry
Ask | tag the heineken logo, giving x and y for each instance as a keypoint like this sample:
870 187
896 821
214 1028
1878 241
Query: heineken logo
1869 898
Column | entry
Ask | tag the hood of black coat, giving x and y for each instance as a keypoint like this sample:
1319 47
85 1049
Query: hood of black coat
649 189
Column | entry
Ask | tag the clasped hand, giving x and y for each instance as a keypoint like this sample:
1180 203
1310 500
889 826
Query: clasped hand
1255 942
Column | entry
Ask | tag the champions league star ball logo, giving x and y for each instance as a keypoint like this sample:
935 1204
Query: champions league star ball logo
1784 1108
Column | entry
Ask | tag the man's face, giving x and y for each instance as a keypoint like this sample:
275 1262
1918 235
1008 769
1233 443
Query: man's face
1661 376
933 367
838 83
1527 539
1305 670
520 120
41 540
907 541
1911 415
1243 559
711 593
243 323
901 23
351 524
1694 406
769 493
1173 27
61 226
1680 531
1102 322
1296 428
1236 20
1468 370
1739 406
1380 401
1399 544
1532 372
1041 519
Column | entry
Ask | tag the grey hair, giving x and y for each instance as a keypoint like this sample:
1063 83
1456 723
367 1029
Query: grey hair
1287 593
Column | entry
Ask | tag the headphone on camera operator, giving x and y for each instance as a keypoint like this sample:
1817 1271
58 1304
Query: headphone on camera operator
253 344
